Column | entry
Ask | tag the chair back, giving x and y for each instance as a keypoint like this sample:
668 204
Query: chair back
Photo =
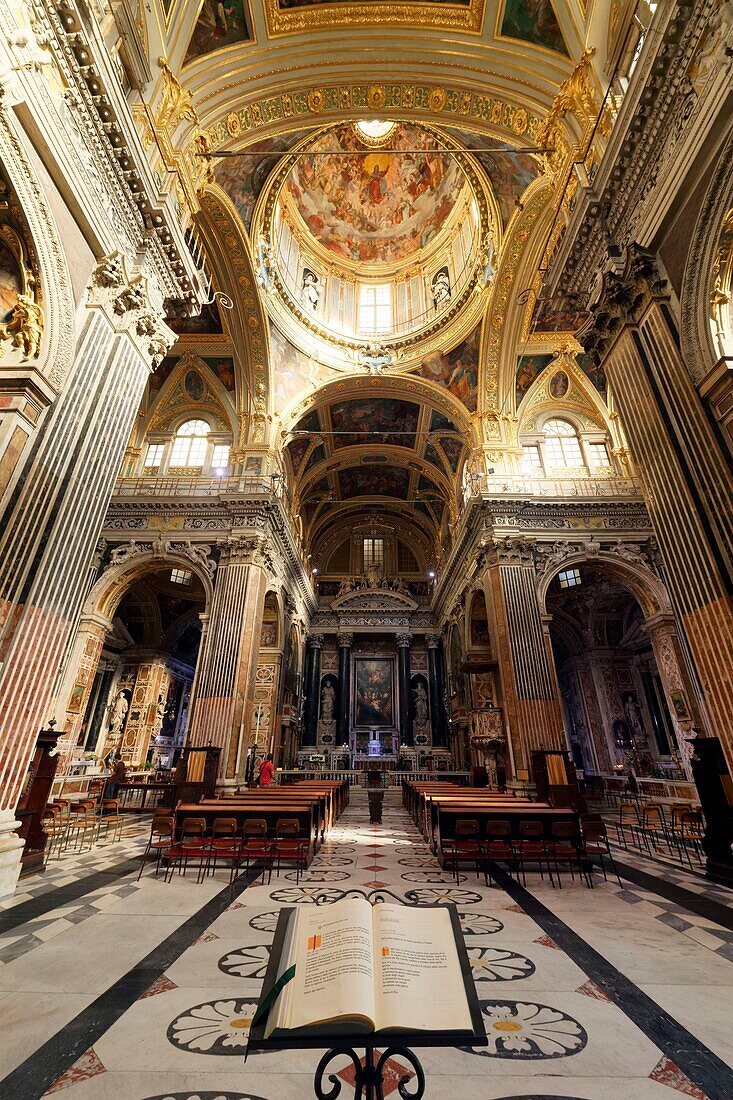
594 830
627 813
193 826
162 826
691 821
224 826
254 827
498 829
467 828
679 809
530 830
653 816
563 830
287 827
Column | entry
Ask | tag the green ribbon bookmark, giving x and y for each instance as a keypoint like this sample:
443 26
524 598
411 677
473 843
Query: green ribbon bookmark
272 996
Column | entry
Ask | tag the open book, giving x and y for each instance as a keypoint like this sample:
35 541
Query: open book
362 968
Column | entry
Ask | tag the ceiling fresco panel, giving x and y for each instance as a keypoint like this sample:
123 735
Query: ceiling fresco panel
367 481
294 374
244 177
220 23
510 173
394 421
533 21
529 368
458 370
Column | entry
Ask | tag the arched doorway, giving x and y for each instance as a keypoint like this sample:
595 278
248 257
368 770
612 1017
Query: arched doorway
619 705
146 653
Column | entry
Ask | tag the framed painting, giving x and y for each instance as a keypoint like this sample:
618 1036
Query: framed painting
374 702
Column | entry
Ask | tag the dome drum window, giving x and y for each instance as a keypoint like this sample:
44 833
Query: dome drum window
193 450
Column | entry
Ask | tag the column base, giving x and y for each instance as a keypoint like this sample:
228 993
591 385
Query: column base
11 850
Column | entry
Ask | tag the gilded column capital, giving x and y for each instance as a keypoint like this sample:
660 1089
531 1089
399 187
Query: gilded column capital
631 281
404 641
346 641
315 641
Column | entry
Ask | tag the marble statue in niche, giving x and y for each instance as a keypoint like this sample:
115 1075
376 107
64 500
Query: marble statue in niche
440 287
420 700
310 291
328 703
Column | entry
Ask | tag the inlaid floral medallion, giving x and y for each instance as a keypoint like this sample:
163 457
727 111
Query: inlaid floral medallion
523 1029
265 922
215 1027
246 962
432 895
318 874
332 861
493 964
478 924
417 861
304 895
435 875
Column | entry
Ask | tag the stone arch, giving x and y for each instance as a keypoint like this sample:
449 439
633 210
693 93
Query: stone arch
644 585
106 594
700 292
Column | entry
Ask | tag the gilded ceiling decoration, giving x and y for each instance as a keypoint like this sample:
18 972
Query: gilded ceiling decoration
220 23
244 177
288 16
376 208
510 173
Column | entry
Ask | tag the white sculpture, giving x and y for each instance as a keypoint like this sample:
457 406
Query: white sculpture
119 710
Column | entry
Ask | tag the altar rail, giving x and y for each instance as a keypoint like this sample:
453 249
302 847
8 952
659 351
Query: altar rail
675 790
394 777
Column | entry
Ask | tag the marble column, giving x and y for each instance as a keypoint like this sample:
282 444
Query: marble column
403 677
312 687
52 520
223 694
436 684
530 694
344 710
684 469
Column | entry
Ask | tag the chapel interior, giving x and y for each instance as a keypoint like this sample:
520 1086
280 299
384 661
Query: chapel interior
366 526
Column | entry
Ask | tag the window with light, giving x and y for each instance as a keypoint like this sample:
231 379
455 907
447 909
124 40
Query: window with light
375 308
569 578
190 444
598 455
181 576
531 461
562 447
154 457
373 553
220 460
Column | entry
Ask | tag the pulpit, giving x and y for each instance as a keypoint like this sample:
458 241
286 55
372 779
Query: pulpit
39 779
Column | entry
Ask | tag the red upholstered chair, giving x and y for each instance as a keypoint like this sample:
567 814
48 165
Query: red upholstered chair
289 846
531 847
464 848
256 847
566 848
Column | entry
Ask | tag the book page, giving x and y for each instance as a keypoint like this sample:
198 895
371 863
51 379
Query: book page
418 980
334 964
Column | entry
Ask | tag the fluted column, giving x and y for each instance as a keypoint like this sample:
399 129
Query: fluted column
685 472
436 685
52 520
312 689
224 687
403 675
342 730
530 695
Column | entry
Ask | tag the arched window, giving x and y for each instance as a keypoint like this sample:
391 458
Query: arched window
190 444
562 446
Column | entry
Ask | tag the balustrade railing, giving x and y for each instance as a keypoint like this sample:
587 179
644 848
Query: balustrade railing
515 485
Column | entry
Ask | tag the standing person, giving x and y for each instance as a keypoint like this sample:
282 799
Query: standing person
267 771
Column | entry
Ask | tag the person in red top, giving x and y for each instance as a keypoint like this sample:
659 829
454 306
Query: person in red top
267 771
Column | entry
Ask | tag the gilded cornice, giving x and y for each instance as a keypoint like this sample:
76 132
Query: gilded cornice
321 103
224 220
465 17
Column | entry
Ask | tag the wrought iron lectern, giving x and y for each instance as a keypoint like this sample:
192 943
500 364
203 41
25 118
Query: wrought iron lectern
369 1071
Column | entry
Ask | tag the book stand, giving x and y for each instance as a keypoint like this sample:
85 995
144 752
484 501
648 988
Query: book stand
369 1072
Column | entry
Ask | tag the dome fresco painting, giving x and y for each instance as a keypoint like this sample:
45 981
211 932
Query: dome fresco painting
375 207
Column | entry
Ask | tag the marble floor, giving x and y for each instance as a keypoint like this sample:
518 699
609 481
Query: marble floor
113 988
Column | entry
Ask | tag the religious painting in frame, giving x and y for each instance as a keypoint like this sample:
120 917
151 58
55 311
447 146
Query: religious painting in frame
374 701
